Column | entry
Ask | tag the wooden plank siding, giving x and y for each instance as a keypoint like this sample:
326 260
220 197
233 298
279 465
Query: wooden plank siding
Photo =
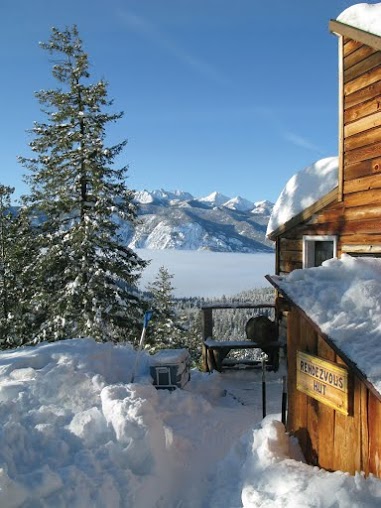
328 438
362 103
360 217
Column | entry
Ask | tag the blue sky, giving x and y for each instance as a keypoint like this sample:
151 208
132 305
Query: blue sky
227 95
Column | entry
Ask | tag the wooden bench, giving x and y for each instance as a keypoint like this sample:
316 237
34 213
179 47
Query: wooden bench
215 351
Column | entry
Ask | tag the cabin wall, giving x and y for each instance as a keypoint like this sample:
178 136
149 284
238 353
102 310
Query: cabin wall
289 245
361 121
328 438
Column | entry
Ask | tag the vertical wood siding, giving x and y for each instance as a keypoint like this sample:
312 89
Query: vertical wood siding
328 438
361 215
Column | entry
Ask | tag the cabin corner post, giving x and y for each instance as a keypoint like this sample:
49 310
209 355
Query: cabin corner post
341 117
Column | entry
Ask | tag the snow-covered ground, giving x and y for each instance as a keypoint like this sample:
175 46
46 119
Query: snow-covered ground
76 433
208 274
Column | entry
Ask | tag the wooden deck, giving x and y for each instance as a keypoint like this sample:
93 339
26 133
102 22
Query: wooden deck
215 351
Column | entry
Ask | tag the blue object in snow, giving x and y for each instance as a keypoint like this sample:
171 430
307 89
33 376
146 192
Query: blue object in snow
147 317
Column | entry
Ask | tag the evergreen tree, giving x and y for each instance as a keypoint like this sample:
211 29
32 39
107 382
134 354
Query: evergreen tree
85 277
15 254
7 231
164 329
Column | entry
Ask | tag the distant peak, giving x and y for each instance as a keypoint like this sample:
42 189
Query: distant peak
240 204
215 199
145 196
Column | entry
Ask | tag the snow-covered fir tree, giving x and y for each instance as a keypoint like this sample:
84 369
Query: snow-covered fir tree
16 250
7 276
85 278
164 329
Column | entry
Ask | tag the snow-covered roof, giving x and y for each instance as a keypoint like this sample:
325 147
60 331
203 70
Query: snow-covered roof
364 16
343 298
304 189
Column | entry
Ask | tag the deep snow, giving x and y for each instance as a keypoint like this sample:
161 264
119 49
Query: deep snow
76 433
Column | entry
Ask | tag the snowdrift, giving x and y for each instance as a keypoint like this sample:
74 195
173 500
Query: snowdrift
75 432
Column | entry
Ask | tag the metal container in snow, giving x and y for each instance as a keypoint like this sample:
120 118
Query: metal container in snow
170 368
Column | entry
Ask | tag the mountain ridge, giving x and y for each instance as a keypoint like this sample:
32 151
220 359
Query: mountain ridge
178 220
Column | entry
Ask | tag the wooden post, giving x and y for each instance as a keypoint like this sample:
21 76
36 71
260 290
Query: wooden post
284 400
207 333
264 385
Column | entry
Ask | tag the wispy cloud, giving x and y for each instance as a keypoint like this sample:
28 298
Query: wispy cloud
301 141
273 118
149 30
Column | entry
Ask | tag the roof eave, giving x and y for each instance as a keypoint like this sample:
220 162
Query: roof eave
305 214
338 28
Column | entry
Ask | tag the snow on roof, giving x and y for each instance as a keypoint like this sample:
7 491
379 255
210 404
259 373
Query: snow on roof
303 190
343 298
364 16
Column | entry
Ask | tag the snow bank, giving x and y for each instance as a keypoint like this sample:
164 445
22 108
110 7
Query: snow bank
343 298
57 447
303 190
364 16
75 433
268 473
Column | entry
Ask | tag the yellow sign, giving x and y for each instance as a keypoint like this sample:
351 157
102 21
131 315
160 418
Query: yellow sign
322 380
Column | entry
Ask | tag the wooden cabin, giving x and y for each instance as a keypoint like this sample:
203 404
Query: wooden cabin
340 432
349 216
333 409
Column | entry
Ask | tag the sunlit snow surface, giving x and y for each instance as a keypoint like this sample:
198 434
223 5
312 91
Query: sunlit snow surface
75 433
303 190
343 298
365 16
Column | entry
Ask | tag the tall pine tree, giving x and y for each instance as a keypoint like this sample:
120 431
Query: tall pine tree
85 277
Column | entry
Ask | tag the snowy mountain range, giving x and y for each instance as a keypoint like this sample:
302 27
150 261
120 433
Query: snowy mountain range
177 220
